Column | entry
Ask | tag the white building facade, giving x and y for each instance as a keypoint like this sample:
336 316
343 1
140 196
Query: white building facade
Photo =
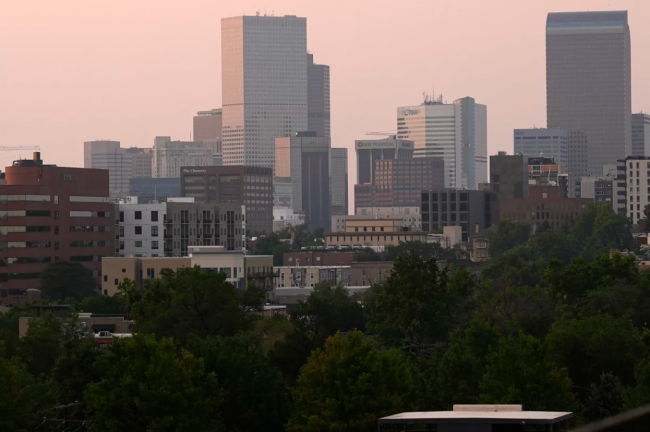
141 230
456 133
264 85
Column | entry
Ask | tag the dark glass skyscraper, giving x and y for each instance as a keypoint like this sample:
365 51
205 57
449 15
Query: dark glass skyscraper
588 86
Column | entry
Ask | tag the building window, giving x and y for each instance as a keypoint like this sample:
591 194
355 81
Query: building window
138 243
154 244
116 282
105 278
154 231
154 216
138 230
138 215
121 230
123 270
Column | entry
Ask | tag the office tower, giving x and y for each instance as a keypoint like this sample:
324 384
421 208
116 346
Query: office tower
640 134
472 210
399 182
264 82
123 164
633 178
455 132
149 190
304 158
588 86
369 151
207 125
235 184
339 181
169 156
50 213
553 143
509 175
318 98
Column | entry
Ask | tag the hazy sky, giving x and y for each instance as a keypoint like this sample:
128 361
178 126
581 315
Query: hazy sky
72 71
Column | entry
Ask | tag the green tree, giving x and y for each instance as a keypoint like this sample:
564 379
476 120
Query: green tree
518 372
646 214
422 249
604 399
412 309
265 244
43 343
255 396
639 394
590 346
101 304
188 302
16 401
601 228
367 254
329 309
506 235
73 371
149 385
349 385
63 279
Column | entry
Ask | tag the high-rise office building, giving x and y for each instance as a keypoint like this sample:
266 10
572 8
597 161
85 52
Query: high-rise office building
456 133
339 181
305 159
264 82
588 86
509 175
122 164
553 143
169 156
318 97
369 151
640 134
207 125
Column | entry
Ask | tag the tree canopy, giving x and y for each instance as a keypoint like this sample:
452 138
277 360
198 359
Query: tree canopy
67 279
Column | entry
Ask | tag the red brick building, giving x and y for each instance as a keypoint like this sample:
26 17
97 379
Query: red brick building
291 259
544 203
50 213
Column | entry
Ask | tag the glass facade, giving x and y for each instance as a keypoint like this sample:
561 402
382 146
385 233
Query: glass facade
339 181
588 86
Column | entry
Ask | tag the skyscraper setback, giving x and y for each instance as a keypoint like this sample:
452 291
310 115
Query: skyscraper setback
264 82
318 97
588 86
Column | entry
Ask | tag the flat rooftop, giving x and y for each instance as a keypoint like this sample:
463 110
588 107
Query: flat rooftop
483 417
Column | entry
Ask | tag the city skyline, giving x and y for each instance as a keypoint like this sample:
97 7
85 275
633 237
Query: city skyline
101 87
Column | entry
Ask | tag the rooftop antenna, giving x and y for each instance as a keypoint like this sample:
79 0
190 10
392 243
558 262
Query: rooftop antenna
257 13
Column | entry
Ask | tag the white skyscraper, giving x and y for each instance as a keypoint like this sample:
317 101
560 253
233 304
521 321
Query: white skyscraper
264 85
456 133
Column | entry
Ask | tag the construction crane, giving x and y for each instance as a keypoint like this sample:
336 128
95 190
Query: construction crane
5 148
381 133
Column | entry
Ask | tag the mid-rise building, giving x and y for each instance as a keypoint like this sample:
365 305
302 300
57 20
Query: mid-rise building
169 156
242 185
374 232
634 173
305 159
544 170
122 164
410 216
640 134
399 182
509 175
239 268
456 133
282 192
50 213
601 188
339 181
473 211
553 143
264 85
588 86
207 125
544 204
369 151
318 97
141 229
284 217
308 276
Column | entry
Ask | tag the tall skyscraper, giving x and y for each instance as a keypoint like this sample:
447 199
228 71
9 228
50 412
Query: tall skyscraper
368 151
304 158
339 181
588 86
122 164
318 97
456 133
640 134
264 82
553 143
207 125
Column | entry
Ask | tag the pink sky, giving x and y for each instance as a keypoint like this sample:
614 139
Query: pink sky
72 71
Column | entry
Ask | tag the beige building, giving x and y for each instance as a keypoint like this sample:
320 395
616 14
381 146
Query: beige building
240 269
308 276
373 232
368 273
410 216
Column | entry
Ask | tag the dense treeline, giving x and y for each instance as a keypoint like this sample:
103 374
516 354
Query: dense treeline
551 322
